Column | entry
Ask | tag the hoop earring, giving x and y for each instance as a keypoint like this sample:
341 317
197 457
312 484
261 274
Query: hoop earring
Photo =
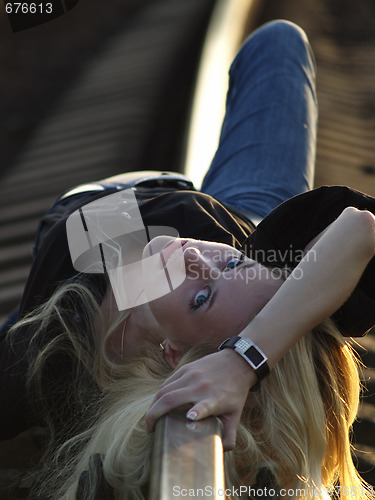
162 349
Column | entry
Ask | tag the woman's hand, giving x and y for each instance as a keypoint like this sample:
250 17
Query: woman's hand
217 384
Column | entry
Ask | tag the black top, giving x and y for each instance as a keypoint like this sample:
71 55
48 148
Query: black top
192 214
284 232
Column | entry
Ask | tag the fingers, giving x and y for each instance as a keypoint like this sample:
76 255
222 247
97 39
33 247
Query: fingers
177 394
204 409
199 411
229 440
230 424
163 404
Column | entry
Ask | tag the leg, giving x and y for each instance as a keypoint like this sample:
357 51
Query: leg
266 152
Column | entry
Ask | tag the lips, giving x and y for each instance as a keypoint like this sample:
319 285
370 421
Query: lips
171 247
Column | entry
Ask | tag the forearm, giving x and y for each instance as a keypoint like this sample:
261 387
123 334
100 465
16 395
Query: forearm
318 286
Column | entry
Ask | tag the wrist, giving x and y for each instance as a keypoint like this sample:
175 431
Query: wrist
271 336
252 355
238 368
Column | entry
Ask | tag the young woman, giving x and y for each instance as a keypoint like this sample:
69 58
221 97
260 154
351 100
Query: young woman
294 430
72 342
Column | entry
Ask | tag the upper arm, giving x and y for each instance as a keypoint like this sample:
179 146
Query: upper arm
362 224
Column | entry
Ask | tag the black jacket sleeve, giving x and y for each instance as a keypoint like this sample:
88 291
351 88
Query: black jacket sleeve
282 236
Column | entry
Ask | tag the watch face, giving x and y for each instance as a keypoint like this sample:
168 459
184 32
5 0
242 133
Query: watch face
255 356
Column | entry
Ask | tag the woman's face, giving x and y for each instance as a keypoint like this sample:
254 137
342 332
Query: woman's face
219 290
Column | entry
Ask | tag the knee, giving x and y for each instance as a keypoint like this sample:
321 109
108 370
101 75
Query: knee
277 41
279 32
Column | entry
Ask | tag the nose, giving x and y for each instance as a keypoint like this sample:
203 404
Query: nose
196 263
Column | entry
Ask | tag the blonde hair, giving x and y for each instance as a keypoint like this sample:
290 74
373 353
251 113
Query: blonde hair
297 426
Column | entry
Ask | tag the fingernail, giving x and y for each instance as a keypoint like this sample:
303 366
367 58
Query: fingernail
192 415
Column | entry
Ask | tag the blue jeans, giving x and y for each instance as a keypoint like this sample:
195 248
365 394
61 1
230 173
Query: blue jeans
266 152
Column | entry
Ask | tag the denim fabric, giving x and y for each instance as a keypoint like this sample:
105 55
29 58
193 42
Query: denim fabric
266 152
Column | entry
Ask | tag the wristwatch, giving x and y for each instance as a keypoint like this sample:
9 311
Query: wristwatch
252 355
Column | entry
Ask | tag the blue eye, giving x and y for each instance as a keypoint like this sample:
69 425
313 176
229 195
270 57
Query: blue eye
202 297
234 262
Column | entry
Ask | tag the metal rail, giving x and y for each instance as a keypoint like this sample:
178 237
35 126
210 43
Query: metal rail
187 458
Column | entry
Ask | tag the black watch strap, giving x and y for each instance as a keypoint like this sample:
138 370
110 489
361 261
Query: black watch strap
251 353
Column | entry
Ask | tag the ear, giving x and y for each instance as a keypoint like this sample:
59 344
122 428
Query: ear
171 353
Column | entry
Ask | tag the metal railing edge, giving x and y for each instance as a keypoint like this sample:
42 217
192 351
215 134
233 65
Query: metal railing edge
187 457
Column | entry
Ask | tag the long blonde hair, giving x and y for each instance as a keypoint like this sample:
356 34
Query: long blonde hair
297 426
